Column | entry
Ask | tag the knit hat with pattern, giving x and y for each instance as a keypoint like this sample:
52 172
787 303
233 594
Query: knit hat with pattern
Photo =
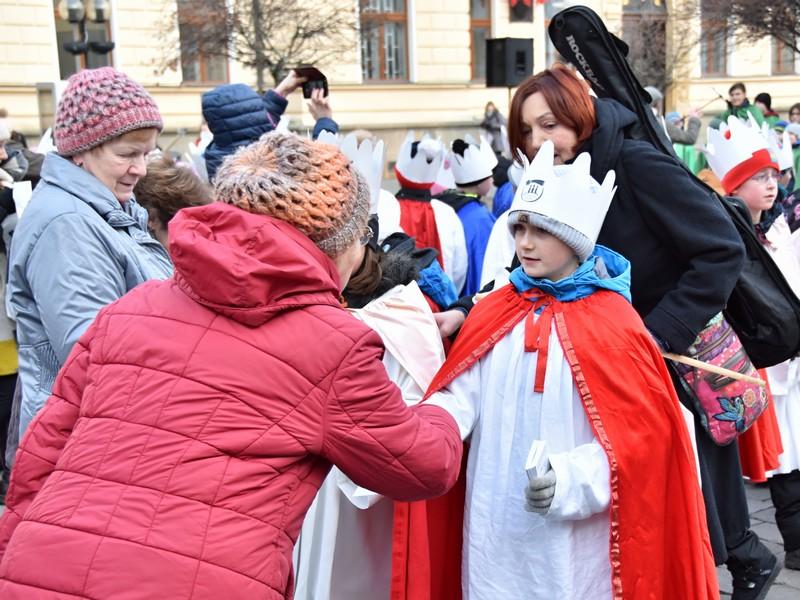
99 105
310 185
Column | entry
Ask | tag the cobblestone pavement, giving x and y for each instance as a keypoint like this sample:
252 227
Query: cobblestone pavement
762 517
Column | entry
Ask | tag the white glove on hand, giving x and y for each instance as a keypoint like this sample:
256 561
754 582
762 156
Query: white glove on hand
539 493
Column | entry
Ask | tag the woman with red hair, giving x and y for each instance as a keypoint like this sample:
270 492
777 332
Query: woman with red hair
685 255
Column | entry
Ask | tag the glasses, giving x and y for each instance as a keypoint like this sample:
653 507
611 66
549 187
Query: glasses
364 239
765 176
794 114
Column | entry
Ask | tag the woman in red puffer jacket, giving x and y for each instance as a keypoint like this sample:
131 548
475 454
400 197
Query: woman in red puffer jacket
195 420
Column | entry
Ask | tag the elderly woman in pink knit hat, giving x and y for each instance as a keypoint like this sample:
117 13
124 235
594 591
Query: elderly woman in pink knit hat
83 240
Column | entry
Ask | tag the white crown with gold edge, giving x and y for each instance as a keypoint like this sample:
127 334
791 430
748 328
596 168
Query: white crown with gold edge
365 157
424 165
475 165
565 193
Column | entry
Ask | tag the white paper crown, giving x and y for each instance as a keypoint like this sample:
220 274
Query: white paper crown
565 193
736 151
365 157
515 172
476 164
424 166
780 147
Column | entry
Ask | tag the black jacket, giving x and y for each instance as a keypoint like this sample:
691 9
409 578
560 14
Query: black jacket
685 252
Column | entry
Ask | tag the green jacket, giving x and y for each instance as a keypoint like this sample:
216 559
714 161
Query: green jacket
742 112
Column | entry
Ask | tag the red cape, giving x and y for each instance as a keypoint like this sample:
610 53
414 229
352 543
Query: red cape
417 218
760 446
659 547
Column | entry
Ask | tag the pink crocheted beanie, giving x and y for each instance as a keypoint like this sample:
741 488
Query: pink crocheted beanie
99 105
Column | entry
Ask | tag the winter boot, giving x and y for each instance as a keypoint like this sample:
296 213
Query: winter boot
754 582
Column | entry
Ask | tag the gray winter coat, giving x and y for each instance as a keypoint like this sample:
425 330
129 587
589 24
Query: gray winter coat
75 250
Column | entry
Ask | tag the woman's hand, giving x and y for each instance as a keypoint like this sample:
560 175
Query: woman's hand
290 83
449 321
319 106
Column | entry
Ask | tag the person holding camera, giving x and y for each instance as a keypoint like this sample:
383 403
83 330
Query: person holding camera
237 115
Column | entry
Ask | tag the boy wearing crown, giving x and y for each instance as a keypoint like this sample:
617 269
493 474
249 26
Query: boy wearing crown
430 222
559 361
739 154
472 166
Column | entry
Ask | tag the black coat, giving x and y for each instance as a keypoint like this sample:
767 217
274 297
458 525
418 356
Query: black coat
685 253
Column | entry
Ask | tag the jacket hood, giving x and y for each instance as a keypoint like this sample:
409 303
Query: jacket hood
235 112
456 199
248 267
608 135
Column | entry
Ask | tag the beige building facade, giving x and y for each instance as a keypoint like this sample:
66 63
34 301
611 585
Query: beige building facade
424 69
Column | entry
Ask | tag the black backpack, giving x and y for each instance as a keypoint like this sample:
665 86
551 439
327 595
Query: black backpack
762 309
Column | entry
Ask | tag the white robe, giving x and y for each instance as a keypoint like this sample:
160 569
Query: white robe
344 548
784 379
510 553
449 227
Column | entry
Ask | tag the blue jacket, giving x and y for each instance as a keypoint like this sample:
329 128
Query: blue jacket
237 116
75 250
503 198
478 223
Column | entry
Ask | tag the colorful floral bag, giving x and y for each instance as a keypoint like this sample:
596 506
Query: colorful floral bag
727 407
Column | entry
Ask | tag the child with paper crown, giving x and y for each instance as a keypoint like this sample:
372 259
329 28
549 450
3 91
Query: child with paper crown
471 164
559 355
429 221
738 154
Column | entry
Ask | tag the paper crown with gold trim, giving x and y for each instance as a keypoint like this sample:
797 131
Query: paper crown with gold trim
558 195
366 157
471 162
418 162
737 151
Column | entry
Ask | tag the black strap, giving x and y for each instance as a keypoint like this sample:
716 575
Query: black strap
411 194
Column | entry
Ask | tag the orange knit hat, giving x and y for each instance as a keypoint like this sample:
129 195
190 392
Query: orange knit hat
310 185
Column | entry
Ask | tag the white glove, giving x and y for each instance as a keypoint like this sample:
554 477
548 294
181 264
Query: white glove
539 493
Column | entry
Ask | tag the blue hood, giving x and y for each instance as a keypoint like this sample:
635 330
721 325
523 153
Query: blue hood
603 270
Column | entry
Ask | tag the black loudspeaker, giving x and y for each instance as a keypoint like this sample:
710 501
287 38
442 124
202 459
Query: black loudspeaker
509 61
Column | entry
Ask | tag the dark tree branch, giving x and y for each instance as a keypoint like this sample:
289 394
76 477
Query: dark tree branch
269 36
754 20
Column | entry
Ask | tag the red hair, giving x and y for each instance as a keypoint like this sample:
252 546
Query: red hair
565 94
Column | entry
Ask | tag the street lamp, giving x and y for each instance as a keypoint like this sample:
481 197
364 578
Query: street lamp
77 12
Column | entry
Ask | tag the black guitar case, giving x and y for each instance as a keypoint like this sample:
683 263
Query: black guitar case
762 308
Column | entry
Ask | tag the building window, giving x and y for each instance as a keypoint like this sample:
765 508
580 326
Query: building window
384 53
713 46
782 58
66 32
644 30
551 55
199 63
480 28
